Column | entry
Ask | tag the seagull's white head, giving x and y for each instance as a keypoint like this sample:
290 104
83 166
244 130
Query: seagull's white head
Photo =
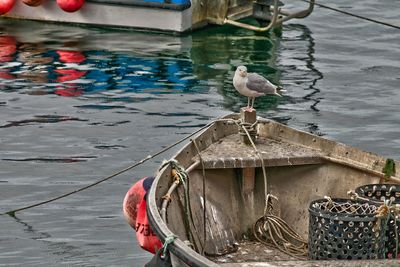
242 71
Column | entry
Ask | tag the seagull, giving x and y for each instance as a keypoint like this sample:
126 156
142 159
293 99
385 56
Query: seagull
253 85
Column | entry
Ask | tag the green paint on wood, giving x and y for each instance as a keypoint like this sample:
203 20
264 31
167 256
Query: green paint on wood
389 169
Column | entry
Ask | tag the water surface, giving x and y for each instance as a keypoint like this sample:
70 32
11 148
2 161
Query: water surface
78 104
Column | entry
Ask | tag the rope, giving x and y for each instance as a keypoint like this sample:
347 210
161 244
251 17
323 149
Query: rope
204 196
181 177
272 228
346 207
354 196
397 235
167 241
383 211
355 15
245 127
12 212
386 212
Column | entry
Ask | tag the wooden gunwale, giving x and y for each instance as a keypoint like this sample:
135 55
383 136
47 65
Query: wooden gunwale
325 151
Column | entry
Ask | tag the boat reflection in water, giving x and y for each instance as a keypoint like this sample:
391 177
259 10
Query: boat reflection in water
8 46
70 61
81 66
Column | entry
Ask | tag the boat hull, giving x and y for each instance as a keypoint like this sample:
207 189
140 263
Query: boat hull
110 15
300 168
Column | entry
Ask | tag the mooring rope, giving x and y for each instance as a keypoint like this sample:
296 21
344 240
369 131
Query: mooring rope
167 241
355 15
246 127
271 228
12 212
180 177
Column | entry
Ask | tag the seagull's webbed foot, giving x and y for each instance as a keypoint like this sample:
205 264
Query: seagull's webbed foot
250 103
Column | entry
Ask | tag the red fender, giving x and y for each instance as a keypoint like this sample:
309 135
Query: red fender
134 207
70 5
6 5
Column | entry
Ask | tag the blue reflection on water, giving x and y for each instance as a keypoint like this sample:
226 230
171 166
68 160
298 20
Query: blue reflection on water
102 66
73 73
116 66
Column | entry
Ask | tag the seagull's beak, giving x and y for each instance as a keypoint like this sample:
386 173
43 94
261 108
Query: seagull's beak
243 73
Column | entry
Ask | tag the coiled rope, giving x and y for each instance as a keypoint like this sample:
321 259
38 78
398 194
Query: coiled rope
272 229
12 212
355 15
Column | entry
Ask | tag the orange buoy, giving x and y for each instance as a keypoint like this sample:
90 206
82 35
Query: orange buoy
33 2
70 5
134 207
6 5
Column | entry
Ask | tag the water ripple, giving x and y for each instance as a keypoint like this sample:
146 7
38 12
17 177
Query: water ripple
38 119
100 107
179 126
74 159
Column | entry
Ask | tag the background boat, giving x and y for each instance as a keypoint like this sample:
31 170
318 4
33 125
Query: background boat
171 16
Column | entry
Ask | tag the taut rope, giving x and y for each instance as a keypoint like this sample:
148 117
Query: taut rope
355 15
12 212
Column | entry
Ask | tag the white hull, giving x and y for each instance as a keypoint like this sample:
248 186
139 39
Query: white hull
108 15
160 16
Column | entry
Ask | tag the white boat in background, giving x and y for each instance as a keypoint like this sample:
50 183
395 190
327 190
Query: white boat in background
161 15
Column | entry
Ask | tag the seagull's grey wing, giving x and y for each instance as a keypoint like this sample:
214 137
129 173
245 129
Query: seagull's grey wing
258 83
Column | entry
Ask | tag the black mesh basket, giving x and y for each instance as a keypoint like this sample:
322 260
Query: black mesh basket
380 192
344 229
384 192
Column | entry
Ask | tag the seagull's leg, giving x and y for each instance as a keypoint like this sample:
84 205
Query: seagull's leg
252 103
248 104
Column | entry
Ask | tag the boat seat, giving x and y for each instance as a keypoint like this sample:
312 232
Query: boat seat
274 153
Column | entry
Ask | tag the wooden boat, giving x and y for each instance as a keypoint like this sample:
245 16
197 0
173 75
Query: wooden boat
225 175
160 15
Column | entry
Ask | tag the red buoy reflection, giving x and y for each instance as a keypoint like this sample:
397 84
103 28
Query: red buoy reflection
69 74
